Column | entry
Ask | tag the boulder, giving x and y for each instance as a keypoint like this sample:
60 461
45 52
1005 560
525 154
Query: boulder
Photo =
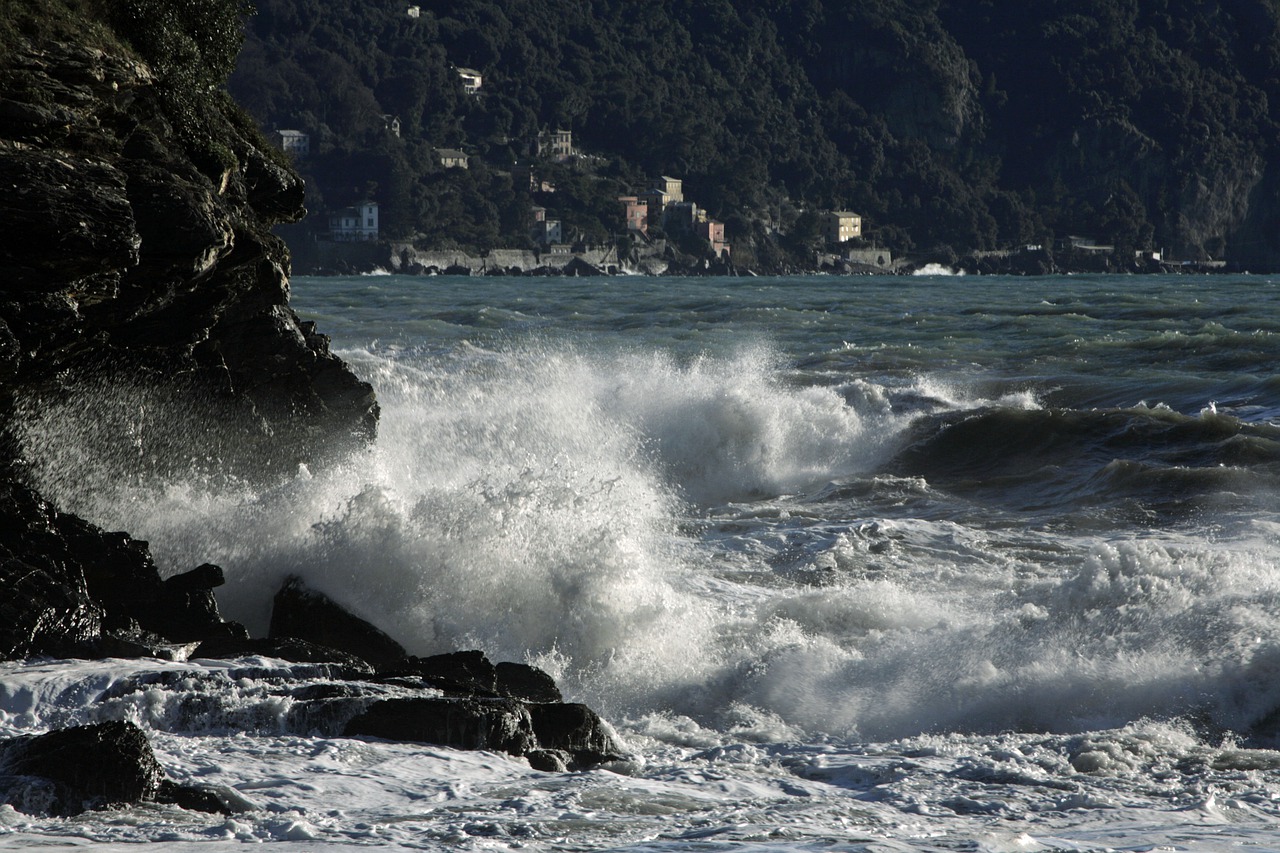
521 681
577 730
552 736
464 673
97 766
73 770
501 725
184 609
305 614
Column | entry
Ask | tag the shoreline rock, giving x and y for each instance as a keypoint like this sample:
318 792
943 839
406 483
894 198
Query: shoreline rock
141 274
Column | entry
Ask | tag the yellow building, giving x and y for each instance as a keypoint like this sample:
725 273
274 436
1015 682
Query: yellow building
841 226
672 188
452 158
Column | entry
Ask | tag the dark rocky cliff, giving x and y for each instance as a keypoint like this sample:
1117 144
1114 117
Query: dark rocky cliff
144 295
135 208
136 242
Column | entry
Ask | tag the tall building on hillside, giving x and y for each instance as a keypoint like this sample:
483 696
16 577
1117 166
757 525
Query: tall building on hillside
294 142
712 230
672 188
841 226
354 224
637 213
556 144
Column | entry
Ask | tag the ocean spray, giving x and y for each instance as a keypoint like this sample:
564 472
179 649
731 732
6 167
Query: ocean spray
581 510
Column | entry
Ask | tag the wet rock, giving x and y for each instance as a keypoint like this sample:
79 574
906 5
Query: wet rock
521 681
138 245
471 673
283 648
502 725
43 606
184 610
577 730
552 736
66 585
203 577
47 600
64 218
549 760
306 614
97 766
131 643
464 673
73 770
216 799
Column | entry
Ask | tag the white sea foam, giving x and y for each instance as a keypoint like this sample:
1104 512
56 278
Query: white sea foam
518 502
808 652
544 503
936 269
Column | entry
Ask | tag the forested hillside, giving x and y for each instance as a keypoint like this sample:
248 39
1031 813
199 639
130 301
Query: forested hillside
964 124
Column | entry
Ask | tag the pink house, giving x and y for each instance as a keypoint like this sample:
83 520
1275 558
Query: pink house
712 231
637 213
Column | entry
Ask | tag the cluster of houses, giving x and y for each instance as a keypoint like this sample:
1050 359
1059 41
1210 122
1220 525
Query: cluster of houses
661 206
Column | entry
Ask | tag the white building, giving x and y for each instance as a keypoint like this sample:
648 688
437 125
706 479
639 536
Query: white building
556 144
453 158
547 232
354 224
472 81
294 142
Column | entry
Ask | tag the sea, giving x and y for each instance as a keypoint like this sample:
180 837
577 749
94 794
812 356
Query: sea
911 563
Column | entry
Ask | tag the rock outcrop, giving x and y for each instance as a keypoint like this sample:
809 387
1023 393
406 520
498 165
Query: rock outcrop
136 202
96 766
69 588
460 700
137 244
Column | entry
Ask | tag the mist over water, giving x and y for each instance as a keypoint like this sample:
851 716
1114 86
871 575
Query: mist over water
865 516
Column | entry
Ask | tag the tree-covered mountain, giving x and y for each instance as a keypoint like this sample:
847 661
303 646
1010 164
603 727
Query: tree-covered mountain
970 124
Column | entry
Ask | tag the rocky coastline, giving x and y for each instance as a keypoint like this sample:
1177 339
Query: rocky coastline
138 253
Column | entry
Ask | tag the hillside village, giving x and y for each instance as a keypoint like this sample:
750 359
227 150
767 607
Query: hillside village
714 137
349 238
644 219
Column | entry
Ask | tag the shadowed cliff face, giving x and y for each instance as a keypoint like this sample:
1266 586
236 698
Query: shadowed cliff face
143 311
135 245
